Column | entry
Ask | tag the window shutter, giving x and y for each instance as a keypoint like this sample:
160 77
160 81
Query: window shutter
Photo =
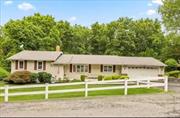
16 64
114 68
35 65
25 64
89 68
101 68
74 68
71 68
44 65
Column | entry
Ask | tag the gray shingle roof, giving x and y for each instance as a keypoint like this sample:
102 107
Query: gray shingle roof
105 59
36 55
85 59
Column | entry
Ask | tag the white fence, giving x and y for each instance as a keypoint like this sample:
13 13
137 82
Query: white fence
123 84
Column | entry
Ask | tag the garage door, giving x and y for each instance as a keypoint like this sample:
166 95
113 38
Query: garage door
138 72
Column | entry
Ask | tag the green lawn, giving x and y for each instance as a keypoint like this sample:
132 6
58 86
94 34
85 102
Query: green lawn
75 94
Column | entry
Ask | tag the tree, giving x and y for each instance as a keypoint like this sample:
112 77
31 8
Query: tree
172 47
98 38
170 12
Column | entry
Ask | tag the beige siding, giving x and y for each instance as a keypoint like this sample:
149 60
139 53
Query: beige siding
95 71
55 70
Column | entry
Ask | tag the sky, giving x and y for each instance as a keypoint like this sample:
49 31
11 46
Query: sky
84 12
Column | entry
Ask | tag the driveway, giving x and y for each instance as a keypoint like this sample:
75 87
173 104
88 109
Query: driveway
131 105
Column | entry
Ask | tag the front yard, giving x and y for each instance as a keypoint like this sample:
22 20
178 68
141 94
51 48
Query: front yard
75 94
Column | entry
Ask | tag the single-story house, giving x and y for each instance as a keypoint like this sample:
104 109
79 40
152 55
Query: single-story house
73 65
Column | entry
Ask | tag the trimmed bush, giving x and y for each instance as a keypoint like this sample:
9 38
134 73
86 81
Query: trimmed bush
124 77
83 77
19 77
175 74
34 77
100 77
44 77
3 73
115 77
107 78
75 80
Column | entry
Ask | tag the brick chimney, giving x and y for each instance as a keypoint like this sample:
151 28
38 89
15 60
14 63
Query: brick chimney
58 48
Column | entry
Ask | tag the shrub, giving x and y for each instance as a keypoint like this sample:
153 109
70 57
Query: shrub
83 77
107 78
19 77
44 77
3 73
172 65
100 77
171 62
34 77
124 77
75 80
115 77
175 73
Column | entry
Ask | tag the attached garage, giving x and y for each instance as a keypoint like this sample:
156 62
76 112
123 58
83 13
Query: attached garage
140 71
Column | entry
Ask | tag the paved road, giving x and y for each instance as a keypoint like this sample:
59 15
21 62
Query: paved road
131 105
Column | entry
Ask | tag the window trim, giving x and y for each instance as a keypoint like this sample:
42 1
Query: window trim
38 65
84 67
107 68
22 65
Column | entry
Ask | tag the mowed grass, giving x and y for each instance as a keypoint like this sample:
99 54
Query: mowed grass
75 94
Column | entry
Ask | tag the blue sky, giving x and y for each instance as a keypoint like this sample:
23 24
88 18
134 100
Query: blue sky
84 12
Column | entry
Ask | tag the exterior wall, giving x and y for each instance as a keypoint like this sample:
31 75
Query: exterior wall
95 71
59 71
56 70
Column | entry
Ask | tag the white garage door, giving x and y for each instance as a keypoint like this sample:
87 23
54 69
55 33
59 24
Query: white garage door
138 72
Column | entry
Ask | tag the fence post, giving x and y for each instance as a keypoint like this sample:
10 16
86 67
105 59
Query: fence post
6 93
46 91
86 89
137 83
125 87
166 83
148 83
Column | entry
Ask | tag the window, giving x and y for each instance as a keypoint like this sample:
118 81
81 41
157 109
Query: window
108 68
80 68
21 64
40 65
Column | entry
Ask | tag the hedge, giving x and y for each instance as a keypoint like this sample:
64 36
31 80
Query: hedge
175 73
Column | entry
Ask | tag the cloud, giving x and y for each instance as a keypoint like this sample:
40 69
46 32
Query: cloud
149 4
7 2
151 12
26 6
73 18
159 2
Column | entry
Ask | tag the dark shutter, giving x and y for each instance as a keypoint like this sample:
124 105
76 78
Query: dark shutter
35 65
44 65
101 68
25 65
71 68
89 68
74 68
114 68
16 64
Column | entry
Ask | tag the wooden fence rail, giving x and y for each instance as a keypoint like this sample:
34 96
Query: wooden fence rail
125 84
